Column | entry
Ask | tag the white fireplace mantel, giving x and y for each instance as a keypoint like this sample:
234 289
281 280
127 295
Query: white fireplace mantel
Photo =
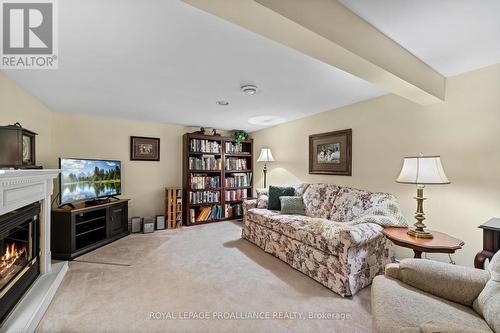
19 188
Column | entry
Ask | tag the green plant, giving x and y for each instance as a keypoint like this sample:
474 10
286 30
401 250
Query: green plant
240 136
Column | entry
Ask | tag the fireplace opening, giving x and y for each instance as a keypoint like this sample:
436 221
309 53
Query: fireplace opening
19 251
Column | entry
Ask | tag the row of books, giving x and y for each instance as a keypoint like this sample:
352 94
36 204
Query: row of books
205 163
204 182
234 163
204 146
206 214
232 148
234 210
203 197
236 195
238 180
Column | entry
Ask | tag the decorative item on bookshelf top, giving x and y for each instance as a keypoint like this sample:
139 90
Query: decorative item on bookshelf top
240 136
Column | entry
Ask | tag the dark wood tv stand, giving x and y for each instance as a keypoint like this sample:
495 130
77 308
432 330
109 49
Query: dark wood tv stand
78 230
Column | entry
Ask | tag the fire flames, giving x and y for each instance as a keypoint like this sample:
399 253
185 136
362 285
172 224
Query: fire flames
10 257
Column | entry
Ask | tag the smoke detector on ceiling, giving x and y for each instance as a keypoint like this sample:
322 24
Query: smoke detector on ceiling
249 89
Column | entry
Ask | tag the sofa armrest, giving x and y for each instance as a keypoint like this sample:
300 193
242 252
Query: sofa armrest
363 233
247 205
455 283
392 271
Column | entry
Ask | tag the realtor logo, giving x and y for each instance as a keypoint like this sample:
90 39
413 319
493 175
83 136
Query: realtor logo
28 34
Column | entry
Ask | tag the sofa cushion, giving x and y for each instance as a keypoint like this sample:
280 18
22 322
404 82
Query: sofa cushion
319 199
488 302
292 205
351 203
262 197
275 192
300 188
398 307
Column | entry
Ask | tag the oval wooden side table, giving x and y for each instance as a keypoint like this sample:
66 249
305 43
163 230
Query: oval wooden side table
441 243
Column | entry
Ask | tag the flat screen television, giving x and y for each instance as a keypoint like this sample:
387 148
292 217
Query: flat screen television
87 179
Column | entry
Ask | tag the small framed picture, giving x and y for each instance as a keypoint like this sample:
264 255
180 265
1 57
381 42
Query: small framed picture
144 149
331 153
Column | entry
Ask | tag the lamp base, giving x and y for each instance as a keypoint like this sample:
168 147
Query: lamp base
415 232
418 229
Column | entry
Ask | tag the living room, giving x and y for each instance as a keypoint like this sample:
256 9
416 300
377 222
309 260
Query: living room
319 108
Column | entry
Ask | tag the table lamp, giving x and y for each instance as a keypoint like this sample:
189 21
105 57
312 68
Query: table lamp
265 156
422 170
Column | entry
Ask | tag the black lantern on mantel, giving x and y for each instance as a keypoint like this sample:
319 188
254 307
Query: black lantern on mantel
17 147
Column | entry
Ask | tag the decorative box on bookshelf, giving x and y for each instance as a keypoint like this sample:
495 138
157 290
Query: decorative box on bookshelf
217 177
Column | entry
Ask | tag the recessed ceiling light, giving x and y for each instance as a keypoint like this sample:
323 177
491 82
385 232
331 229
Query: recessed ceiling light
249 89
222 103
266 120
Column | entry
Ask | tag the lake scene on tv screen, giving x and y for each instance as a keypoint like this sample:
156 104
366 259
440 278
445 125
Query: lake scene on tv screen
89 179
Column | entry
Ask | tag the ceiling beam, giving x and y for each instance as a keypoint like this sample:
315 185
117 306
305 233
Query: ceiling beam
331 33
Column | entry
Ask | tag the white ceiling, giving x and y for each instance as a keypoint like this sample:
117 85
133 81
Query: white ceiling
452 36
163 60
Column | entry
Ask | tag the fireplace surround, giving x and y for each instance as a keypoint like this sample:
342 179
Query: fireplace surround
28 279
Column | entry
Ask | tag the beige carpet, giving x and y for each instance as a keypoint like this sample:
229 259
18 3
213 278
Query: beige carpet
191 271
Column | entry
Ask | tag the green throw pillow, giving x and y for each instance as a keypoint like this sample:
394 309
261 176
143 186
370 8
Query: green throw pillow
275 192
292 205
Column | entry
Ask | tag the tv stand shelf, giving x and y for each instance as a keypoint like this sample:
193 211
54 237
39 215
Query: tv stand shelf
78 230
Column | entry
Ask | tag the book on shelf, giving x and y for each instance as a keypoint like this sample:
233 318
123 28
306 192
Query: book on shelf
235 148
204 197
205 162
202 182
238 180
204 146
234 163
234 210
235 195
206 214
192 217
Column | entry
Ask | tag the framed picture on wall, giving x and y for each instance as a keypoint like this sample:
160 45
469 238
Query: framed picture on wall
331 153
144 149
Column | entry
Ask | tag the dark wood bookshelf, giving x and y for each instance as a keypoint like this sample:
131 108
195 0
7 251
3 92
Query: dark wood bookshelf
246 154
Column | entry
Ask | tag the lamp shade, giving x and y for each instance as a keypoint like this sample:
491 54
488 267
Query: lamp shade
424 170
265 155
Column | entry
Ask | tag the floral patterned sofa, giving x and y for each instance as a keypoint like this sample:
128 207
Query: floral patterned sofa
339 240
